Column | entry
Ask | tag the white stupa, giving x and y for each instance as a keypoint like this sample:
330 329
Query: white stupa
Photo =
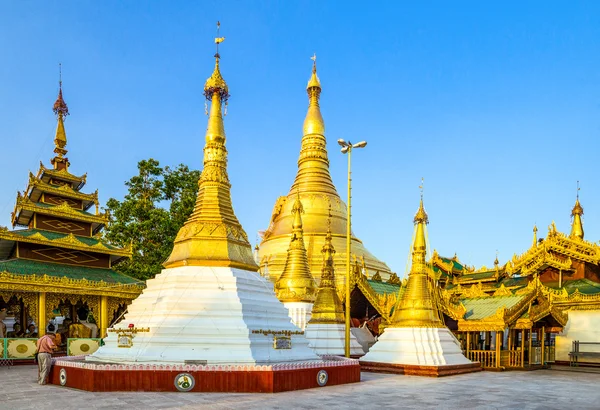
326 329
417 336
209 305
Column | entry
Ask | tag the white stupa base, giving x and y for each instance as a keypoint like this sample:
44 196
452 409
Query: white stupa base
215 315
299 312
329 339
417 347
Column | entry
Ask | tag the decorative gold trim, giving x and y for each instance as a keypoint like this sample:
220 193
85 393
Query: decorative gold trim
69 241
62 211
53 285
64 190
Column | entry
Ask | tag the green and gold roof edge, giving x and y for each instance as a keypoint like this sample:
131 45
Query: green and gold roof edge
63 240
62 190
62 174
61 211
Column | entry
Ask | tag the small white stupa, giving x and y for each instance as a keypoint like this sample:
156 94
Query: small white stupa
296 287
326 329
209 305
417 341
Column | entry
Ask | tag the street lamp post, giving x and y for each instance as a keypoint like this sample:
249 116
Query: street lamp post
347 147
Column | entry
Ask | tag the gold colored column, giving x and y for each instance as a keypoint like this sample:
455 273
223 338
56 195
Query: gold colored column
348 251
542 344
41 314
530 346
468 344
498 349
103 315
522 347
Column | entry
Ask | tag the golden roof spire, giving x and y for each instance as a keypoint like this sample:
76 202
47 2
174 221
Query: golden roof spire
328 306
296 283
535 229
577 213
212 235
417 307
60 139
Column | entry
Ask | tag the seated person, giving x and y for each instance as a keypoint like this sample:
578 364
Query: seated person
84 328
31 331
16 332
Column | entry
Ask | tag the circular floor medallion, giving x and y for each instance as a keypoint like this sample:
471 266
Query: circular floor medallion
63 377
184 382
322 378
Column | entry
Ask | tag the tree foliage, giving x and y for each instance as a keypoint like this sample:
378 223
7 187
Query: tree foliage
158 202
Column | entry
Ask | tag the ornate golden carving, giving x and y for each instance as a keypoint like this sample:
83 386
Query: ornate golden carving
69 241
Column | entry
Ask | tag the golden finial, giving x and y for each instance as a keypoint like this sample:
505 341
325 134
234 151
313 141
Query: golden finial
314 79
496 262
577 213
421 215
60 107
215 84
535 229
60 139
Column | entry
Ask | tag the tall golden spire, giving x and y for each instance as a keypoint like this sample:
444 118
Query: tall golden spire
417 307
313 164
296 284
317 192
577 213
535 229
60 140
328 306
212 235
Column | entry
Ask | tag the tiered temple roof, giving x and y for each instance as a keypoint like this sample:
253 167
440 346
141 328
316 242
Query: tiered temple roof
59 252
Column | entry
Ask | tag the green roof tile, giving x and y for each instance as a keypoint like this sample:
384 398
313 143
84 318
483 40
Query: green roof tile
29 267
585 286
382 287
480 308
56 235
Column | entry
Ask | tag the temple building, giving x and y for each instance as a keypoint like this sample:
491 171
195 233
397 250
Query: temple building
523 314
317 193
56 264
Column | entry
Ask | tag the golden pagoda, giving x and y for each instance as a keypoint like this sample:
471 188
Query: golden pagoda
212 235
296 283
417 307
327 308
317 192
58 265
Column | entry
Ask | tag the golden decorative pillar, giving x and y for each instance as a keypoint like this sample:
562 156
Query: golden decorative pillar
103 324
41 305
522 347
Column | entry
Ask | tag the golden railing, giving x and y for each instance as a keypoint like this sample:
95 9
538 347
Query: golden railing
511 358
487 358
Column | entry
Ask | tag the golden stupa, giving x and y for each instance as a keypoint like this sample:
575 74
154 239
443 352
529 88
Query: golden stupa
317 193
296 283
212 235
417 307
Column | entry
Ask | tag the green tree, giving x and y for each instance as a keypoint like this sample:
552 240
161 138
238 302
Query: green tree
158 202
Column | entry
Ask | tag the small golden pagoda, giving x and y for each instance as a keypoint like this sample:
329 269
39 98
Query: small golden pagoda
212 235
317 192
327 308
417 307
296 283
58 265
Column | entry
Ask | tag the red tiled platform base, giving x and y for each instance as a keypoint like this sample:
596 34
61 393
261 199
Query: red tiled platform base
431 371
242 379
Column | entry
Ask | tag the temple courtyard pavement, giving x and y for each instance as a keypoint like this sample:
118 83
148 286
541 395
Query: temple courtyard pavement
542 389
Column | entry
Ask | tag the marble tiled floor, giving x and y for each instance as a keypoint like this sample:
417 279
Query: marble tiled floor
542 389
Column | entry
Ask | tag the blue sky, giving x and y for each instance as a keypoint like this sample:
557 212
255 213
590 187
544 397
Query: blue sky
495 104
